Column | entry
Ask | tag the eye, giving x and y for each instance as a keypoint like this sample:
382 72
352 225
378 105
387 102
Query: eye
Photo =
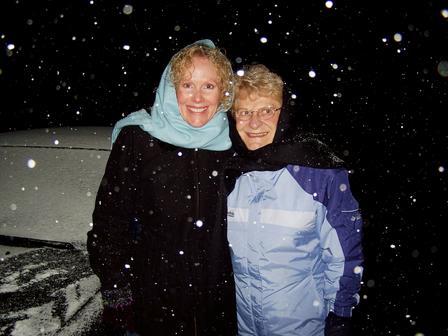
209 86
265 111
243 113
186 85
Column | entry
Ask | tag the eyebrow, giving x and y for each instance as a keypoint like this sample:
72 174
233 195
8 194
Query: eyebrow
206 80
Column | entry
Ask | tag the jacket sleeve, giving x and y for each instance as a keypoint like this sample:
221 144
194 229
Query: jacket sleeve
109 242
341 243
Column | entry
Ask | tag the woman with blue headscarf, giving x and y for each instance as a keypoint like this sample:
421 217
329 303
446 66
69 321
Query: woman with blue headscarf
157 242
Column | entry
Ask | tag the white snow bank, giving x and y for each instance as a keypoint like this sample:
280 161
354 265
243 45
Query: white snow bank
77 137
48 191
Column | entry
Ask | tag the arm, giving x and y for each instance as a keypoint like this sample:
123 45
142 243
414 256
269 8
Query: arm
109 242
341 238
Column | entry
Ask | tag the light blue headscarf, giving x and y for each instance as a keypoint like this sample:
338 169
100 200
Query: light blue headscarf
166 123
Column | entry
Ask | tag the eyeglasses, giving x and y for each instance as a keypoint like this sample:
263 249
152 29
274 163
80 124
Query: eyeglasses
263 113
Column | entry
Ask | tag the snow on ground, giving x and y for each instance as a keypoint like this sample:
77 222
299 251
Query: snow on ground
48 291
9 251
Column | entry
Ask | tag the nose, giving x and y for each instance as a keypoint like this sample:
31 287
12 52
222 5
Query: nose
197 96
254 121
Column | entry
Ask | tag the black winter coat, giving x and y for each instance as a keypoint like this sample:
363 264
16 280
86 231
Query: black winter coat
157 227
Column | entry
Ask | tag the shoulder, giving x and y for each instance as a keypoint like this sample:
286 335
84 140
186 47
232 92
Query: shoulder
310 178
327 186
133 132
327 174
133 136
135 144
320 153
213 159
225 154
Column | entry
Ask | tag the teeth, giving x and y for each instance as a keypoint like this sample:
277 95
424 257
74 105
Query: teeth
197 109
257 135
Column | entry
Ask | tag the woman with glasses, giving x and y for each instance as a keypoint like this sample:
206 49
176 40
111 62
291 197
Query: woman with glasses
294 227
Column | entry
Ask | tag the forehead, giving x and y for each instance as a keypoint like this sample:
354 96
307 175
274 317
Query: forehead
255 100
200 66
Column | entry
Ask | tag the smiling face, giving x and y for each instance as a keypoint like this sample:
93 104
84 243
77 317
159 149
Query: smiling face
198 92
255 132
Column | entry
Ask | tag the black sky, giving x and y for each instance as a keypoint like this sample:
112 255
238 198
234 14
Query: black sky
379 96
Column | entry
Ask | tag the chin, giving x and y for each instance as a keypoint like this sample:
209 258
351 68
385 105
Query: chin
197 123
253 147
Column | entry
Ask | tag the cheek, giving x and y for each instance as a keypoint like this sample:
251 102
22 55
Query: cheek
240 126
271 126
179 96
215 98
182 96
273 123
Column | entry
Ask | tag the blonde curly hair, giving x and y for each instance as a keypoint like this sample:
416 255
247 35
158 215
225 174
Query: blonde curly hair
259 79
183 59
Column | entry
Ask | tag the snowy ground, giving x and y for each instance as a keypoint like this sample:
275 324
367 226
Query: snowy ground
48 291
9 251
49 179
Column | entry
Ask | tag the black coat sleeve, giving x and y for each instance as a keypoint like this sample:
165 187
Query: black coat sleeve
109 242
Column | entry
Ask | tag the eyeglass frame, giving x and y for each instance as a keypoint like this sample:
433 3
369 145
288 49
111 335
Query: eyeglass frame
251 113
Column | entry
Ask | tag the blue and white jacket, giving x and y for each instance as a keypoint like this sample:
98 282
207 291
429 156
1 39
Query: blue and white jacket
295 240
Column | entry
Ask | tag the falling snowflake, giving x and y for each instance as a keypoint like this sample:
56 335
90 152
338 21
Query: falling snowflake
357 270
128 9
31 163
398 37
442 68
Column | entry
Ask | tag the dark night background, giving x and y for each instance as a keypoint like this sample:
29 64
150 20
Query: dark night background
379 96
